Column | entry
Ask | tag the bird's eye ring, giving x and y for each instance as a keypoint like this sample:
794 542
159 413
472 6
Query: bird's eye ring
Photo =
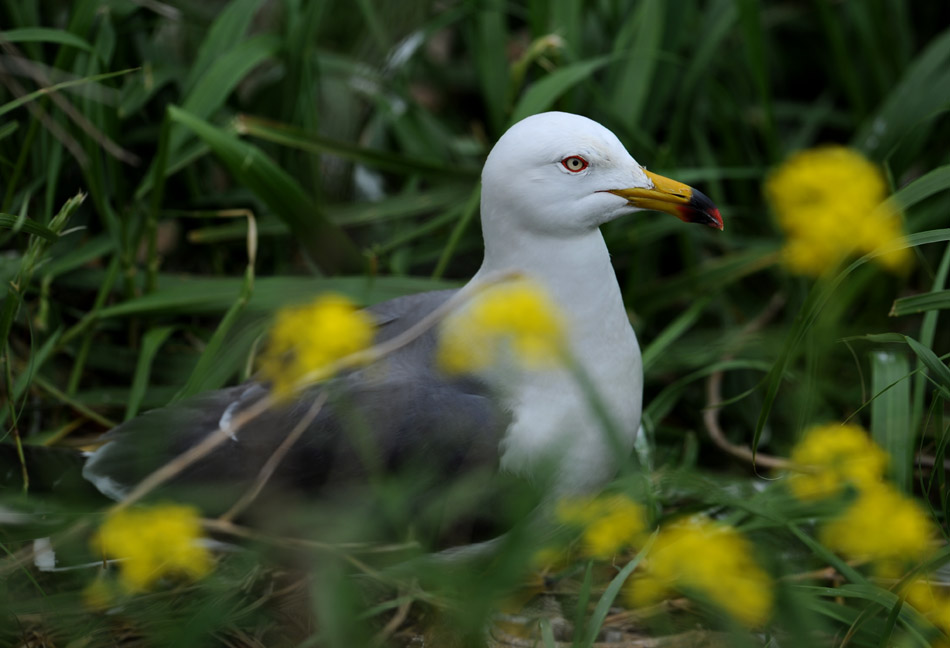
575 163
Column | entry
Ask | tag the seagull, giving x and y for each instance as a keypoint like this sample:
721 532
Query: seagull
548 185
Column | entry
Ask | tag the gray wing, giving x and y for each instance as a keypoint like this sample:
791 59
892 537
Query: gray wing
399 414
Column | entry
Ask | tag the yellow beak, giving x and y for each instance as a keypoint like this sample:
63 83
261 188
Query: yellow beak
672 197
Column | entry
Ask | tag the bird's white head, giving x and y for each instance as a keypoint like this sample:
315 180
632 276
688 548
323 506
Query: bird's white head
561 175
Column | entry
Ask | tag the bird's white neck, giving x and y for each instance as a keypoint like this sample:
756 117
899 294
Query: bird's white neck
576 272
550 409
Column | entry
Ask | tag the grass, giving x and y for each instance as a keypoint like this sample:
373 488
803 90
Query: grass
172 173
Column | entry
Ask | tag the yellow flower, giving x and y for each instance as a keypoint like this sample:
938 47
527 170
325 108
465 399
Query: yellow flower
921 594
930 601
831 202
833 456
610 522
883 526
514 318
151 543
307 341
700 556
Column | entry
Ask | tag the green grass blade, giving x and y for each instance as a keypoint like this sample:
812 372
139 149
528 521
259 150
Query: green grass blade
916 304
827 556
720 22
24 570
437 199
930 359
928 81
18 167
890 623
469 211
236 231
8 129
673 332
419 232
890 413
222 77
753 32
663 403
329 246
17 224
490 41
291 136
636 50
580 618
227 29
375 24
939 373
158 173
35 363
181 160
610 594
103 291
928 330
930 183
151 343
36 94
45 35
28 263
138 90
198 381
816 301
541 95
834 32
876 595
547 634
711 276
214 295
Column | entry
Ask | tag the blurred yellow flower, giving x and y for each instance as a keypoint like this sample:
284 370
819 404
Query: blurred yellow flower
307 341
833 456
152 543
698 555
831 202
514 319
610 523
882 526
930 601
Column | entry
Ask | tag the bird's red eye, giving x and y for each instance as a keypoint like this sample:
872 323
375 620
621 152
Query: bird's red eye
575 163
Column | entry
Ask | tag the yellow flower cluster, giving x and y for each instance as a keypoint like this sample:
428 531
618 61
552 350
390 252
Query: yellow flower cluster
713 560
833 456
882 525
610 523
932 602
831 202
514 320
307 342
152 543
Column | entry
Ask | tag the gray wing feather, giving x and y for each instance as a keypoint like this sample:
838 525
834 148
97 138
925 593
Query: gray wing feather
396 414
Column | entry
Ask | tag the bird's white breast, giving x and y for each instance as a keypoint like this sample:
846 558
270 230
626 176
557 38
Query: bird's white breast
555 424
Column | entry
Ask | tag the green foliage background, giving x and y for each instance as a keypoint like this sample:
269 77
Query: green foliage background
352 133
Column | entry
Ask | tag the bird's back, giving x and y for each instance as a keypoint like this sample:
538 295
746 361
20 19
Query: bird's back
397 415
